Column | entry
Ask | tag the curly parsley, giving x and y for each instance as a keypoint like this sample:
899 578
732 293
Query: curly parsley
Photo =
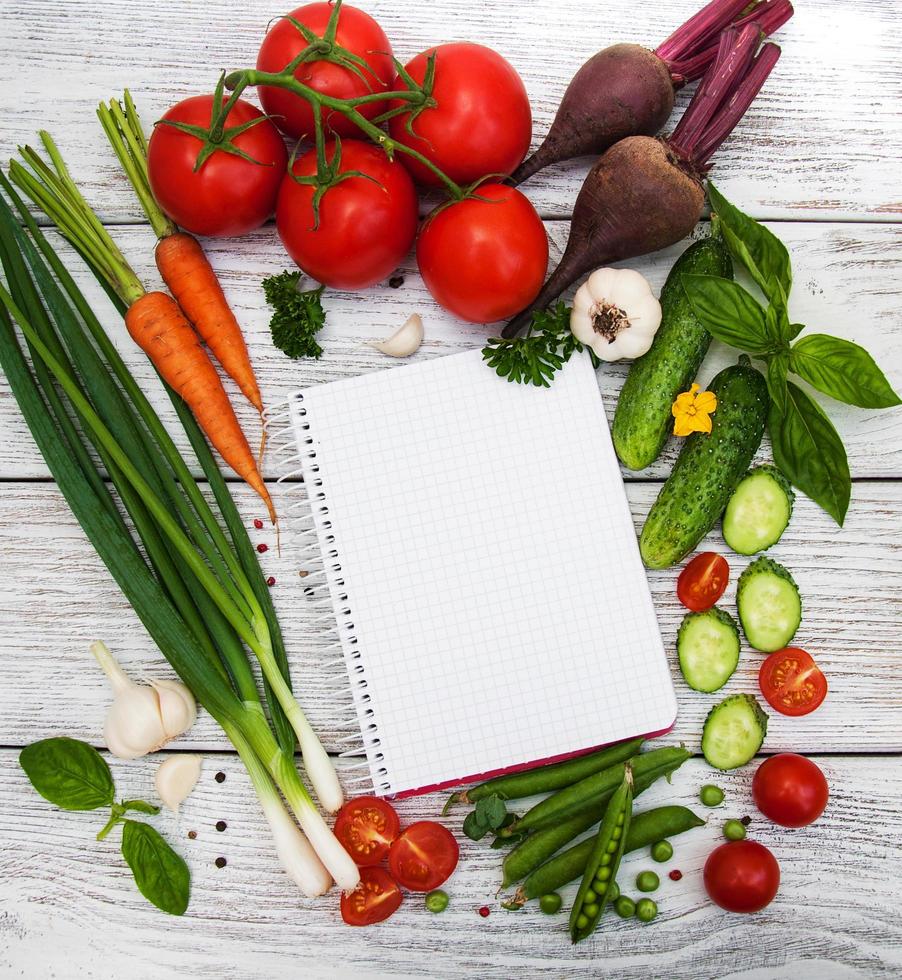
298 315
537 355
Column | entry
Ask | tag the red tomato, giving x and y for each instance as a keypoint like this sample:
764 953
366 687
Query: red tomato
792 682
358 34
375 899
703 581
482 123
790 789
228 195
484 260
366 226
366 828
423 856
741 876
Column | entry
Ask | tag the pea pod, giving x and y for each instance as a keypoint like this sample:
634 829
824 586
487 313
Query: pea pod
604 861
546 779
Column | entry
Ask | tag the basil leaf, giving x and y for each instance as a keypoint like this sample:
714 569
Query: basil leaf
69 773
728 313
473 827
842 370
141 806
161 875
491 811
759 250
777 369
809 451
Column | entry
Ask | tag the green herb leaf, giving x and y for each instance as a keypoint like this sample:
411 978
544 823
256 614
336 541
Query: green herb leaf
842 370
161 875
810 453
777 369
140 806
729 313
473 827
759 250
491 811
539 354
69 773
298 316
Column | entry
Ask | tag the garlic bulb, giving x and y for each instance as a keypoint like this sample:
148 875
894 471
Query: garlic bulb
616 314
405 340
176 778
142 717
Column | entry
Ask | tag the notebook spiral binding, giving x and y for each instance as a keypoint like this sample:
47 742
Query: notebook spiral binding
341 678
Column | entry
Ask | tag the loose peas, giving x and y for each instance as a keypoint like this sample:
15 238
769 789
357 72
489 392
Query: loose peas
625 907
437 901
647 881
550 904
734 830
646 910
711 795
662 851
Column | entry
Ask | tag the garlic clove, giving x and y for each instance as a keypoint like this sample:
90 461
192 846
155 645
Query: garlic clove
178 709
133 725
405 340
176 778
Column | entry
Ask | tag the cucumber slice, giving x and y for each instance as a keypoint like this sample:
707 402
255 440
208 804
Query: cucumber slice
708 648
759 510
769 604
733 732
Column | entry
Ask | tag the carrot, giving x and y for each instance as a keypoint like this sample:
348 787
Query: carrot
160 329
191 280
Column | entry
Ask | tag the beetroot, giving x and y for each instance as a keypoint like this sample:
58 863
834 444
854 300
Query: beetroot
644 193
627 90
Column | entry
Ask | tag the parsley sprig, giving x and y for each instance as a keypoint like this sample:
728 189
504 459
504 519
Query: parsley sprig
538 354
298 315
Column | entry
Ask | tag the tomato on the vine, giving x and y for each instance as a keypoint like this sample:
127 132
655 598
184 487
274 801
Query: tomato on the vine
792 682
366 224
481 123
742 876
703 581
375 898
228 194
484 260
356 61
424 856
790 789
365 828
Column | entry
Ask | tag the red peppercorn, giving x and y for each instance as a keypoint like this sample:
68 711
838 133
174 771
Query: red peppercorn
262 547
258 524
271 581
675 875
484 911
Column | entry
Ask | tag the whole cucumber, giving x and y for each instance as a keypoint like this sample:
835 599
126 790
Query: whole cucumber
708 468
643 421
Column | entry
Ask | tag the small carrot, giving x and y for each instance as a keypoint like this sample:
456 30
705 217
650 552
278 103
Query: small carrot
160 329
191 280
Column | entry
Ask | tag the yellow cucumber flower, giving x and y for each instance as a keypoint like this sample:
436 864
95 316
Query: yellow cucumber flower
692 411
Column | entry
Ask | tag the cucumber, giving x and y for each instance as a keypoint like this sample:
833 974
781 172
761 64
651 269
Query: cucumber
643 421
769 605
708 648
708 468
759 510
733 732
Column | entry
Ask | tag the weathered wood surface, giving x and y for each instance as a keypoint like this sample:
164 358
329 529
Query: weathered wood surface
822 140
846 276
70 906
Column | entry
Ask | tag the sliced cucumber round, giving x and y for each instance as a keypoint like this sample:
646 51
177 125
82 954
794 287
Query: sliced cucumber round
733 732
769 604
708 648
758 511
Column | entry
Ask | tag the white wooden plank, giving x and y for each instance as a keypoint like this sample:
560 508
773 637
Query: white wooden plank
821 141
846 275
56 598
68 901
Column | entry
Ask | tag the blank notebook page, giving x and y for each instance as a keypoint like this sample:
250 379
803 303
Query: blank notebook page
482 560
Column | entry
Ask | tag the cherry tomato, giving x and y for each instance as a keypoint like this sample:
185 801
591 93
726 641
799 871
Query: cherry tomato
228 195
481 124
703 581
358 34
373 900
790 790
424 856
366 224
792 682
741 876
366 828
484 260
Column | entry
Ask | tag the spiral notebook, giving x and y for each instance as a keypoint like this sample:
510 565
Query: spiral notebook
482 567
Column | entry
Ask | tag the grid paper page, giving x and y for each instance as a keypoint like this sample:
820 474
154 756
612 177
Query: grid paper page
494 587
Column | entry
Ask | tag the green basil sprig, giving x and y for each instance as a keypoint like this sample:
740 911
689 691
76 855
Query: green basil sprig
74 776
489 814
807 447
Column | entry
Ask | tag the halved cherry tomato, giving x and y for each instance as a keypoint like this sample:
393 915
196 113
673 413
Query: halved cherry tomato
375 898
702 581
424 856
792 682
366 828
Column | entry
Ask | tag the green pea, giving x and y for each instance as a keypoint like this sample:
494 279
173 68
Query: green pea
591 909
550 904
581 922
647 881
734 830
619 819
646 909
662 851
590 896
625 907
603 874
711 795
611 846
437 901
613 892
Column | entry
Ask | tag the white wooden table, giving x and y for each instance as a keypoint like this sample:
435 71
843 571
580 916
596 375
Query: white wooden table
819 156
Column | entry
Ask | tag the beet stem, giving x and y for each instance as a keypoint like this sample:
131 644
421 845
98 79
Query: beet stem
698 31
